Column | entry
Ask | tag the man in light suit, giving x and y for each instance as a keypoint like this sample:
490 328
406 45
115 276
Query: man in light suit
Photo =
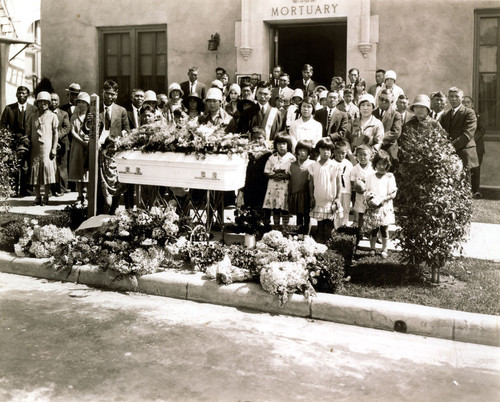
333 120
282 91
193 86
113 124
460 123
268 117
391 119
306 83
15 117
61 185
402 107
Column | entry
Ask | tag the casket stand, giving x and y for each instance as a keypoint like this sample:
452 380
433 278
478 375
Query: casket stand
213 172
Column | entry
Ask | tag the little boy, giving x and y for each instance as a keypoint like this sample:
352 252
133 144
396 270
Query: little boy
359 173
340 151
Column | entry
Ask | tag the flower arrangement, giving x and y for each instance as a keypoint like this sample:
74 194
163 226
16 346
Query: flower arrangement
251 221
187 137
372 218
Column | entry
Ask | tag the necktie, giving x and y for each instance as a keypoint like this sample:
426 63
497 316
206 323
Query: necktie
21 117
329 120
107 118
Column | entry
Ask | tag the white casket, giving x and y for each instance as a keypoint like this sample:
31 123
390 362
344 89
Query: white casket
174 169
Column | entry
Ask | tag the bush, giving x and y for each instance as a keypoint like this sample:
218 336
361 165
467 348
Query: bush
8 167
434 198
327 275
343 241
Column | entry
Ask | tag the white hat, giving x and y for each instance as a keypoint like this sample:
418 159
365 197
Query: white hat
43 95
217 84
150 96
421 100
174 86
323 94
298 93
390 74
83 96
365 98
74 87
214 93
236 88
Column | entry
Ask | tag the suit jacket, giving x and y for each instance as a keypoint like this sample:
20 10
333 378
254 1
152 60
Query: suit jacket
63 129
11 118
200 89
311 86
119 121
392 130
271 127
130 115
338 123
406 117
461 129
287 95
67 108
373 90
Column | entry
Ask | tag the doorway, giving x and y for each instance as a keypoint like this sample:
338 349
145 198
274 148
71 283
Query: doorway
321 45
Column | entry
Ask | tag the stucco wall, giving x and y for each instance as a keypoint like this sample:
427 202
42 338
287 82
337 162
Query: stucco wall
428 51
190 23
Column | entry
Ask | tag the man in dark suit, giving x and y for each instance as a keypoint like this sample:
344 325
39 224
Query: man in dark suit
113 124
402 107
379 81
306 83
460 123
73 91
438 103
275 77
391 119
193 85
15 117
133 110
333 120
268 117
61 184
353 77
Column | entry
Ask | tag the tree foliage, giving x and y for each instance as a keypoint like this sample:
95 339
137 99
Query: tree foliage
434 197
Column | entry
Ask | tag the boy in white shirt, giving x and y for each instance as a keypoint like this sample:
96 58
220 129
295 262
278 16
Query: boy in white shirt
340 151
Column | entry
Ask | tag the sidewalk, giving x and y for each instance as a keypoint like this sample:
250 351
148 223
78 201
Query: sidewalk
386 315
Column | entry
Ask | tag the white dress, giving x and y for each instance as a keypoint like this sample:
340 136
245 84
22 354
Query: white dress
277 191
382 187
301 130
325 188
358 172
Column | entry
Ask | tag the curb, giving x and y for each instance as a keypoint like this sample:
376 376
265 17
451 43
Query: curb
379 314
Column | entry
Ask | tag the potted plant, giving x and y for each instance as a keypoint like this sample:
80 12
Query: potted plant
252 222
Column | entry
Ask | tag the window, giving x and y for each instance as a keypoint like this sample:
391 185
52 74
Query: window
134 57
486 68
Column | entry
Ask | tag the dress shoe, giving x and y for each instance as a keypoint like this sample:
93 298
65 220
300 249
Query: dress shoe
38 201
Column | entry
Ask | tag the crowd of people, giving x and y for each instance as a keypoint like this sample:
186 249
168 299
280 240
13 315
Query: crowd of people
322 148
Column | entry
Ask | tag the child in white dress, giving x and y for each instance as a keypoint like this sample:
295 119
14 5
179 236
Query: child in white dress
359 173
380 191
324 189
340 151
277 169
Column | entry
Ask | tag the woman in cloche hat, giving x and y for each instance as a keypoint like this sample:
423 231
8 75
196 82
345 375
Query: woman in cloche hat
421 107
42 131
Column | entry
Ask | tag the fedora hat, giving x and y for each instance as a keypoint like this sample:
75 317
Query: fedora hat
74 87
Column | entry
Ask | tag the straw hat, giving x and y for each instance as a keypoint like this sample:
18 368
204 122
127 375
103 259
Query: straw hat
214 93
83 96
174 86
366 97
421 100
74 87
43 95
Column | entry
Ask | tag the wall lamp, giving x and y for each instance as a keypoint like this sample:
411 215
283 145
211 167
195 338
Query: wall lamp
213 42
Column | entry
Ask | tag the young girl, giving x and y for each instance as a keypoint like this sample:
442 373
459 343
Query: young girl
41 128
324 189
79 145
340 151
359 173
277 169
298 199
380 191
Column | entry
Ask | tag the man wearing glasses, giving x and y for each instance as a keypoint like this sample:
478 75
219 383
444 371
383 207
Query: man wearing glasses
391 119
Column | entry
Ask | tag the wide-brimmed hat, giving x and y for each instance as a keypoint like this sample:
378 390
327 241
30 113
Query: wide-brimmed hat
390 74
217 84
74 87
174 86
421 100
43 95
366 98
83 96
298 93
214 93
150 96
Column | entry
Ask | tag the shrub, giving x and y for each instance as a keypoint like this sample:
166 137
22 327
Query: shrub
8 167
343 241
434 198
327 275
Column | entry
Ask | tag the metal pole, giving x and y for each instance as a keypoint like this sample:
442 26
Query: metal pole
93 157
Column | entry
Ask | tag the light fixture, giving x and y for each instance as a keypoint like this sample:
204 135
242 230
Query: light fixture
213 42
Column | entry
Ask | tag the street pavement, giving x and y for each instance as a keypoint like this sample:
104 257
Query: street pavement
67 342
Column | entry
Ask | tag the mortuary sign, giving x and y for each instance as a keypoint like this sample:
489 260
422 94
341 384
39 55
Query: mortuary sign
305 8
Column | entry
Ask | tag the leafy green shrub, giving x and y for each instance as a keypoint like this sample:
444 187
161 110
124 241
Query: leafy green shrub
8 167
434 205
327 275
343 241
